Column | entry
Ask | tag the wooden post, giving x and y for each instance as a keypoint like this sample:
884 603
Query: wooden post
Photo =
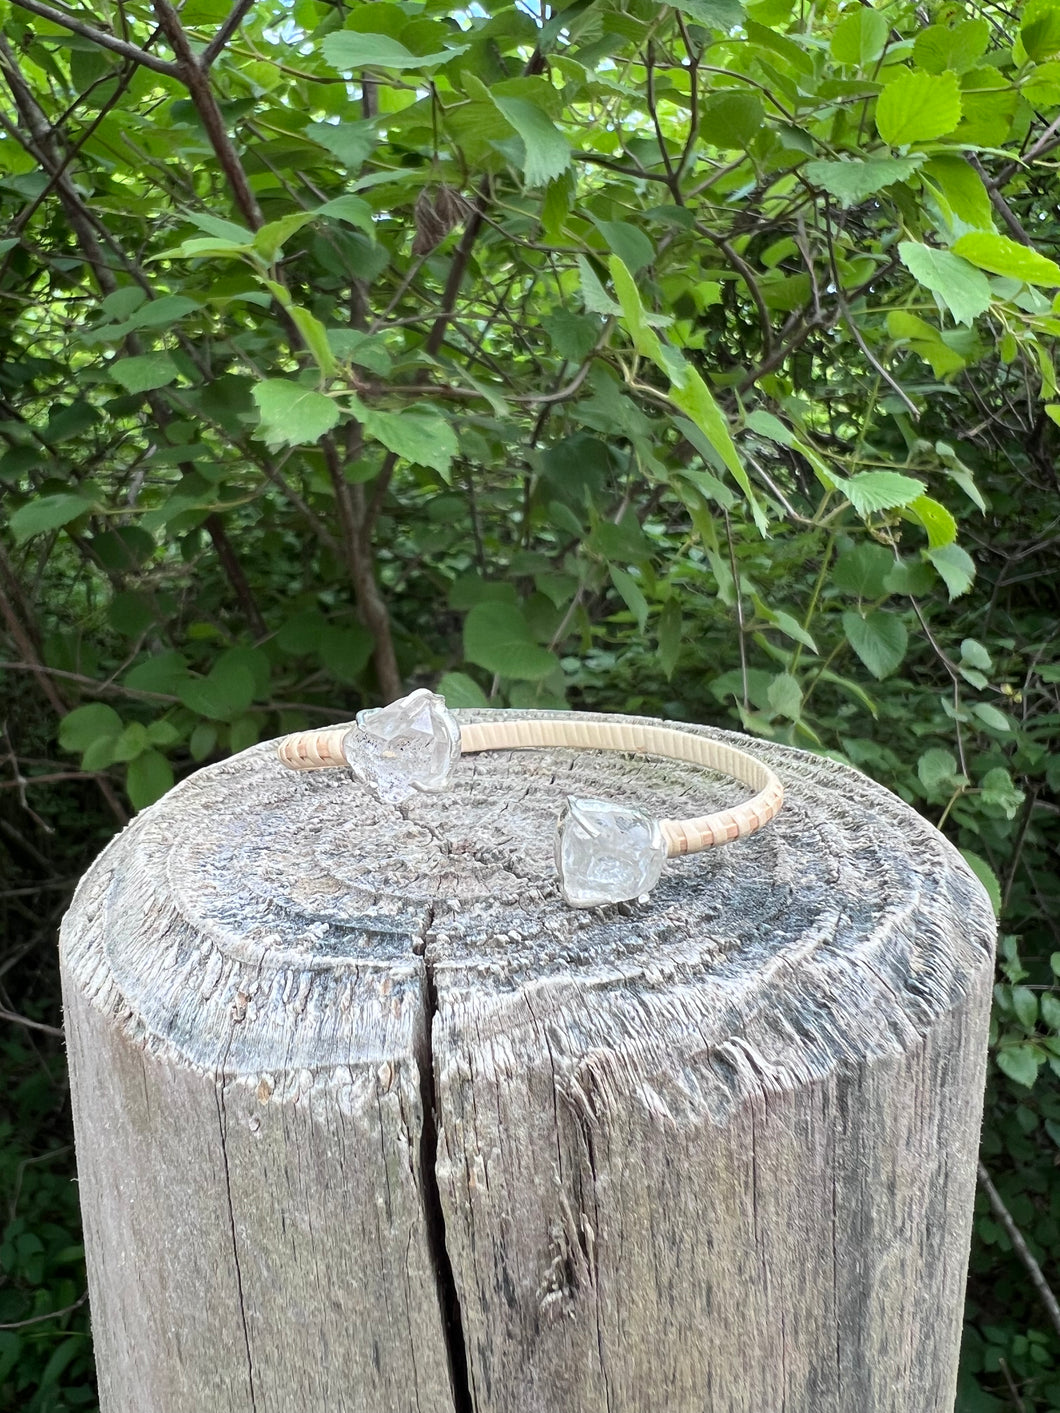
369 1122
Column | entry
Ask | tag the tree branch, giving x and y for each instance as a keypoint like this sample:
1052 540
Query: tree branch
239 12
192 74
436 337
229 560
100 37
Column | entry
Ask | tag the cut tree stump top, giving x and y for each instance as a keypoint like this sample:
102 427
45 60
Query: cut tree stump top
833 935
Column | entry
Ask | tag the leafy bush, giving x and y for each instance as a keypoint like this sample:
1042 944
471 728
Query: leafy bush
693 359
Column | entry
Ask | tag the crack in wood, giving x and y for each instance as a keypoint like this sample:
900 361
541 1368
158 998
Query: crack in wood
222 1118
448 1296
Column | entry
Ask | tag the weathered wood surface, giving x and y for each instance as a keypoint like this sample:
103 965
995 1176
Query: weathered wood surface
710 1154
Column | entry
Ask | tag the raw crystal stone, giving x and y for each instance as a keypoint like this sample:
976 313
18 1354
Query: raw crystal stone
412 744
606 853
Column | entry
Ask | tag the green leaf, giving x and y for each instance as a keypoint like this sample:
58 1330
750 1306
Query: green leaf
203 247
202 741
631 594
131 743
346 49
730 119
956 567
688 391
863 571
1040 31
997 790
991 717
628 242
292 414
547 151
346 652
714 14
351 143
852 181
162 733
986 876
937 768
695 399
243 733
131 613
595 297
471 589
785 696
423 437
269 240
1002 256
148 778
316 339
936 520
925 340
85 724
790 627
975 654
460 690
144 373
498 638
1050 1007
354 210
909 576
219 228
1019 1062
225 693
668 635
47 513
1041 87
871 491
574 336
917 107
963 289
962 188
159 673
366 350
645 339
958 47
860 38
879 639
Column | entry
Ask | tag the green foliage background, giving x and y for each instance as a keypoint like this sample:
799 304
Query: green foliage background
693 360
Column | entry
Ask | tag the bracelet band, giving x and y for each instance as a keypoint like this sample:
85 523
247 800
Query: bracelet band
605 852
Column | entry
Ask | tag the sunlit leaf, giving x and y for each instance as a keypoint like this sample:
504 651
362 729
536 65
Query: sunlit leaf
1002 256
292 414
917 107
964 290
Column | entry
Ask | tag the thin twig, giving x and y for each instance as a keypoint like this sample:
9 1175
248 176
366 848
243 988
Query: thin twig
239 12
1019 1246
100 37
52 1315
739 612
851 324
13 1016
1021 1407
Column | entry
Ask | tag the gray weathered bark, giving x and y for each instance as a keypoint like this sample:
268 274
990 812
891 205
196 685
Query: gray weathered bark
368 1121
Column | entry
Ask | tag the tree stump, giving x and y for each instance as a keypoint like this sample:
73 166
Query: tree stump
368 1121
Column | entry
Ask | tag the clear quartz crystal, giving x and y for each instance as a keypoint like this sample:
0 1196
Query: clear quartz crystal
606 853
412 744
